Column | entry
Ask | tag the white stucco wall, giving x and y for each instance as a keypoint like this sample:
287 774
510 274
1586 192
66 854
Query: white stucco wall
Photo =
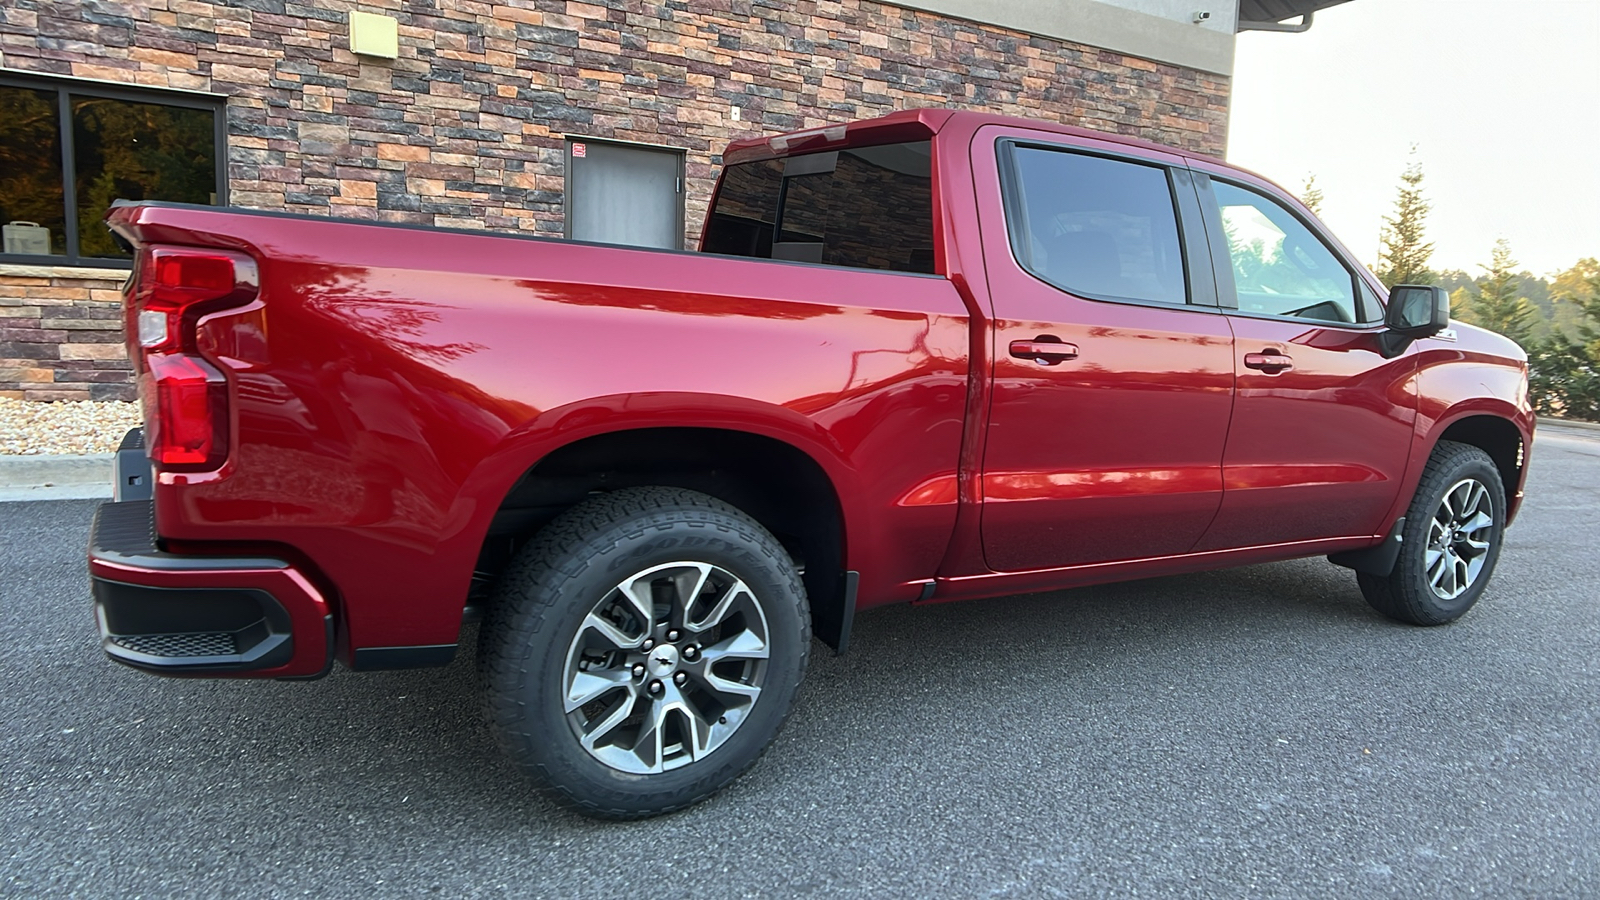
1160 30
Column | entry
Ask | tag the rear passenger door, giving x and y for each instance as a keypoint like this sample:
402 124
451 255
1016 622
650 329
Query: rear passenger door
1321 420
1113 365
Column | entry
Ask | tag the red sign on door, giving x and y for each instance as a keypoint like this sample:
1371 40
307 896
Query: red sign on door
579 151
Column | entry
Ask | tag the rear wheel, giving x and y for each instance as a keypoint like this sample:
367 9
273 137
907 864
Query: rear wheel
644 650
1450 543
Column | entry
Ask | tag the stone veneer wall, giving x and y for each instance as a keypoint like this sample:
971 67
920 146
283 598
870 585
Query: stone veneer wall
61 334
467 127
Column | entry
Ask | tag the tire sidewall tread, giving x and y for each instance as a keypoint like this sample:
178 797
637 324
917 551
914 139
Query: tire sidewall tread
552 584
1405 594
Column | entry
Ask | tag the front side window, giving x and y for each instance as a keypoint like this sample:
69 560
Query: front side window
867 208
119 145
1096 227
1280 268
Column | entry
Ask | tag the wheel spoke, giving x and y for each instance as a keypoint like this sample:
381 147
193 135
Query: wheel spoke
724 606
1438 571
587 687
1477 499
724 686
636 591
611 633
689 584
744 645
608 725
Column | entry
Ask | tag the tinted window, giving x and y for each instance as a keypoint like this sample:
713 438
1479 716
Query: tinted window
138 151
1279 267
121 147
1096 227
32 208
870 208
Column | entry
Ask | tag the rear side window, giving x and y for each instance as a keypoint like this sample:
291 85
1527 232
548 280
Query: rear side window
1096 227
868 208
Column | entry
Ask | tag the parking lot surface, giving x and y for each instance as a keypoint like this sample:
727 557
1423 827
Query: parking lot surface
1255 732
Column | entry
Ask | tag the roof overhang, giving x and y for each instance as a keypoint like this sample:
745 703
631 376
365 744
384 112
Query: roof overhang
1269 15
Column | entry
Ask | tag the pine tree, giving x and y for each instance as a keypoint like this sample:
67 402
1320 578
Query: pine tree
1404 259
1461 306
1563 373
1311 196
1496 303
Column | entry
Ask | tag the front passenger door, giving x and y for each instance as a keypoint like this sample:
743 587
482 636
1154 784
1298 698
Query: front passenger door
1321 420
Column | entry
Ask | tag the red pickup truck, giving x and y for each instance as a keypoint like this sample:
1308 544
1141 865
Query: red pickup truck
933 356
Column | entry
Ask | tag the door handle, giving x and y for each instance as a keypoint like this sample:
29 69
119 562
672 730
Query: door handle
1045 353
1270 361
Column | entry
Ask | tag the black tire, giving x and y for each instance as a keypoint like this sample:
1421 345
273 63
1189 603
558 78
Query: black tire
1416 592
536 640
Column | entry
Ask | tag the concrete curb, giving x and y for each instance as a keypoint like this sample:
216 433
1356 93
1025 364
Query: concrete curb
1545 421
55 477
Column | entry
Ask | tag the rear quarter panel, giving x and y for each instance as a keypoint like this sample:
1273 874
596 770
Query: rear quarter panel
385 402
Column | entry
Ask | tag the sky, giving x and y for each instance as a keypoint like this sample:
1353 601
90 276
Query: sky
1501 99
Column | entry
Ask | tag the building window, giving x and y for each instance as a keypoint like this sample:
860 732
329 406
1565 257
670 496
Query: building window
68 149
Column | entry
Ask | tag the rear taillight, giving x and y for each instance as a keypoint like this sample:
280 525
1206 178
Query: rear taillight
185 397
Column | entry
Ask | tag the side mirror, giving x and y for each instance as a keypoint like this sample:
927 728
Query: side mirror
1417 310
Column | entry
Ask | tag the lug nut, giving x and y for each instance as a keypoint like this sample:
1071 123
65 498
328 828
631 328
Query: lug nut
680 678
648 644
638 670
655 687
690 652
672 636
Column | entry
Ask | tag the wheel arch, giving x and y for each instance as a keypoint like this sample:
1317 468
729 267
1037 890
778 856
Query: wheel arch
783 474
1496 433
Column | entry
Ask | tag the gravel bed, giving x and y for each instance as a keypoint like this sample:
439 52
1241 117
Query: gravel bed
65 426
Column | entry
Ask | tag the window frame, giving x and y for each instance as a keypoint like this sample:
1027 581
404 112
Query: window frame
1200 284
1222 259
65 89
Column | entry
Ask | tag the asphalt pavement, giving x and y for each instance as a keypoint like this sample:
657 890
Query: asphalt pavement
1257 732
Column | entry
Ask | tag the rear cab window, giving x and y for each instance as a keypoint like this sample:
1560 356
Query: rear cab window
864 207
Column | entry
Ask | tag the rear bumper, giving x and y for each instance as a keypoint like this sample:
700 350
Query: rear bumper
253 617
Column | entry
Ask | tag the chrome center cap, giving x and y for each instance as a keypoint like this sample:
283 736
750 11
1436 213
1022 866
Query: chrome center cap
662 660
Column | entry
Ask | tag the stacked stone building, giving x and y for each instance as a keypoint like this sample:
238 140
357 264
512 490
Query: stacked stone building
470 123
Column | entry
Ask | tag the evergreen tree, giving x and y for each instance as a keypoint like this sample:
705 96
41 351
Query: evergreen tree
1496 302
1563 373
1311 196
1576 295
1404 259
1461 306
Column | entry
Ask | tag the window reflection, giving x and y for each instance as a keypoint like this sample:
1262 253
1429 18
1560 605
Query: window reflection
1280 267
137 151
32 211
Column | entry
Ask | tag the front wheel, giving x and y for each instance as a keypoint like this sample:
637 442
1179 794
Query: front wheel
644 650
1450 542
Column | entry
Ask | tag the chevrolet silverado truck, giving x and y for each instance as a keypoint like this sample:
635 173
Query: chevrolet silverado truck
933 356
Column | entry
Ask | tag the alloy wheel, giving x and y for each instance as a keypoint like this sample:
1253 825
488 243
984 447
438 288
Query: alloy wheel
1459 538
665 667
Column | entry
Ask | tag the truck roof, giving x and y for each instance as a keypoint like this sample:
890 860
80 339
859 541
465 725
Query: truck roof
909 125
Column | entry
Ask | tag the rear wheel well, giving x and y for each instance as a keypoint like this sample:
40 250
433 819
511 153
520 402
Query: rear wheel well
1496 437
773 482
